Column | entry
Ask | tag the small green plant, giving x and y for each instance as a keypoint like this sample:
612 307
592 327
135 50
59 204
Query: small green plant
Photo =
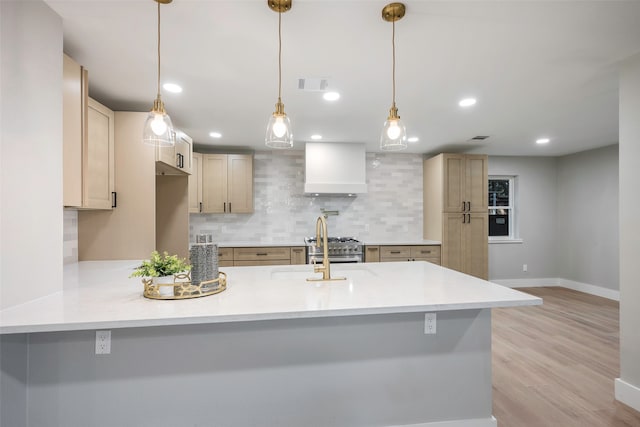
161 265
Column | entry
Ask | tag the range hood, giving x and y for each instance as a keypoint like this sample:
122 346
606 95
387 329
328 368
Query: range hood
333 168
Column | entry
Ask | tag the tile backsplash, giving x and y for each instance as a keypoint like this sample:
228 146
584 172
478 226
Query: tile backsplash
70 239
390 211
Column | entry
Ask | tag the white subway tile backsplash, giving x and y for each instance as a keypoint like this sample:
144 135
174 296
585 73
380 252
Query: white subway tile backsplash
391 210
70 236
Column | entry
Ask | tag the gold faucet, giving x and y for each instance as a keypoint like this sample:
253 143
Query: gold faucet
321 227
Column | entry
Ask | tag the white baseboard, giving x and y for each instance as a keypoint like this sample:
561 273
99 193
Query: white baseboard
565 283
476 422
627 394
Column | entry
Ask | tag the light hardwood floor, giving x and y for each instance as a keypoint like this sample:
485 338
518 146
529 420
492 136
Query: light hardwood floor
554 365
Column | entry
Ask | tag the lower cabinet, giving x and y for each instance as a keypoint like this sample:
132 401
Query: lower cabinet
467 243
388 253
265 255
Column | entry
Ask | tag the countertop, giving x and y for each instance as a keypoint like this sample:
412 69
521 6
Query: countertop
99 295
373 242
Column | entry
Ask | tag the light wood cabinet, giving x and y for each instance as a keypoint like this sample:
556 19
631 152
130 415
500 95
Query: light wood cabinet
88 144
261 255
298 255
395 253
177 159
195 184
227 183
372 254
456 210
152 210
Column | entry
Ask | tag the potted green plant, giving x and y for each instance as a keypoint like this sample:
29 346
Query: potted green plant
162 269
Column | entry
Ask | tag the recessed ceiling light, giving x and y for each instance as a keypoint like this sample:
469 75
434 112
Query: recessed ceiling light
215 134
542 141
172 87
331 96
413 139
467 102
316 137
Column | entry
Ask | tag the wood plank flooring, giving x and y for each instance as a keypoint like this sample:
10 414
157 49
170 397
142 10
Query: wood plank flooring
554 365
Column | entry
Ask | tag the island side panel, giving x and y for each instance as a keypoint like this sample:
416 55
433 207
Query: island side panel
375 370
13 380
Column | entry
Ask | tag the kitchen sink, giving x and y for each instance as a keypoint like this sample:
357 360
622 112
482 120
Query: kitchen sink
350 271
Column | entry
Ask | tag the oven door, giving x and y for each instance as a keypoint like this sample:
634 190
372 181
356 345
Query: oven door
336 260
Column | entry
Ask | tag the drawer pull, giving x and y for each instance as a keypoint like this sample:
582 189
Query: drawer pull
425 252
262 254
372 249
394 252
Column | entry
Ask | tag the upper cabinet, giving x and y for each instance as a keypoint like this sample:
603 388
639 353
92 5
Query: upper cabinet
88 141
465 182
226 184
175 160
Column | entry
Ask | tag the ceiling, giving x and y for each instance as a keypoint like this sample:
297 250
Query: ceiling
537 68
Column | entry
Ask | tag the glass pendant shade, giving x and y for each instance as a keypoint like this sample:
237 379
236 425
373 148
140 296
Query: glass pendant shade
158 130
279 133
394 135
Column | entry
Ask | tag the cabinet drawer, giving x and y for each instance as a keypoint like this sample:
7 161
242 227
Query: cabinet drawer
401 252
225 254
260 254
298 255
431 260
425 252
261 262
372 254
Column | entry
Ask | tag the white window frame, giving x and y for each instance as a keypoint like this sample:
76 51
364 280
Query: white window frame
512 209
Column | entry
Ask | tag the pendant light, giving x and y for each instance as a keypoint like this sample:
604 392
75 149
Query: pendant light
279 133
158 129
394 134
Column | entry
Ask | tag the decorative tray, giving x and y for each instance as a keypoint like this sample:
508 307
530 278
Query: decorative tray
183 288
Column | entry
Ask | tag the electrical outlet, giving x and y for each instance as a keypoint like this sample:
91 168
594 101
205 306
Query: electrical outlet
103 342
524 267
430 323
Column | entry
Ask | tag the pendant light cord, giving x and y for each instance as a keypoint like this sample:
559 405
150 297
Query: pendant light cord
279 54
158 49
393 49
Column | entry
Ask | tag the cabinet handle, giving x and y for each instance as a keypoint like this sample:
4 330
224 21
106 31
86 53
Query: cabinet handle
372 249
224 206
114 199
262 254
394 252
464 218
425 252
200 207
468 218
229 207
469 206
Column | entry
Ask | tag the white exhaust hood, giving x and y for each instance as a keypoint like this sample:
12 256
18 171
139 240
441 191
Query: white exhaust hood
335 168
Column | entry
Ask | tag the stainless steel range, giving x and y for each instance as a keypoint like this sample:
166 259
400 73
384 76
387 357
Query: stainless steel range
341 250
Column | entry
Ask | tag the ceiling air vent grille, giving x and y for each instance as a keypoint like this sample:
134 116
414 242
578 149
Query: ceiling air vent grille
313 84
480 138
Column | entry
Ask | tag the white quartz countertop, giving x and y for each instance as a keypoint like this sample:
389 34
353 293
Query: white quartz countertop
374 242
99 295
259 244
406 242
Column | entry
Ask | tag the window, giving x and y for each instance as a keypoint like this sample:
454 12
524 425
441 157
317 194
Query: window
502 207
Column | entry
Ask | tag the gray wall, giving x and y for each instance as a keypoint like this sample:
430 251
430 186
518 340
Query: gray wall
629 225
31 150
587 236
536 213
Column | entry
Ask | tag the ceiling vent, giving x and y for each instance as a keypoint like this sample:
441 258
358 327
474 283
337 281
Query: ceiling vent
313 84
479 138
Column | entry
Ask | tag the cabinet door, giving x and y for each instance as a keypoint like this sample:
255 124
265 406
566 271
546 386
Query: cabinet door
476 241
74 104
298 255
98 156
195 184
184 149
454 182
167 155
214 183
372 254
452 250
240 183
477 183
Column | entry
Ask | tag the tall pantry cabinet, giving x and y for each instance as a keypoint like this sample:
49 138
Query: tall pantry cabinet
456 210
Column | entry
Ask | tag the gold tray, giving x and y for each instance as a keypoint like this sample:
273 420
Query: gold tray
184 289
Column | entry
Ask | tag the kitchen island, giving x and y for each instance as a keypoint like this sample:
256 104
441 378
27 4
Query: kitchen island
271 350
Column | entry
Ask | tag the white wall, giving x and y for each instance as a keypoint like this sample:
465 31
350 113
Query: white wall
536 216
31 133
587 235
628 388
